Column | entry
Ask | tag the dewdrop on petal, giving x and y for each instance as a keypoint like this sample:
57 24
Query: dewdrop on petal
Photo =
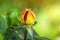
27 17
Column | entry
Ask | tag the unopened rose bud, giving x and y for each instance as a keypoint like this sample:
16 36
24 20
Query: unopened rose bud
27 17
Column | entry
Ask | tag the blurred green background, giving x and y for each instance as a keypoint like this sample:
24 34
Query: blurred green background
48 23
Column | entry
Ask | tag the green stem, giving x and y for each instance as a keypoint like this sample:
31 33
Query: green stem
25 36
32 33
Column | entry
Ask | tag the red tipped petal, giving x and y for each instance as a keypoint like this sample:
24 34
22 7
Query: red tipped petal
25 16
32 14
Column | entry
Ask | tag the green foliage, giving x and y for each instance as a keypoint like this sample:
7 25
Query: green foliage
3 26
14 17
1 37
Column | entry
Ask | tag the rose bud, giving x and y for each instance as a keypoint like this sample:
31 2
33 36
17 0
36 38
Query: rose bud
27 17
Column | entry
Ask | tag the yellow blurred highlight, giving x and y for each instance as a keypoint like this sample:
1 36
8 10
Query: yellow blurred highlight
54 13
